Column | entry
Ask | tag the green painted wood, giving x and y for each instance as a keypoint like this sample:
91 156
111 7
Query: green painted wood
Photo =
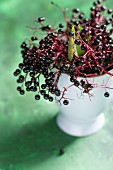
29 137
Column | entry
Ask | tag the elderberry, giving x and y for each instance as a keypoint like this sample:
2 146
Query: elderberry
77 41
18 88
50 99
17 72
103 7
83 47
110 11
106 94
41 19
20 65
28 83
27 88
95 3
57 92
24 45
65 102
22 92
71 34
43 86
42 92
76 83
34 38
46 96
81 16
20 79
61 25
37 97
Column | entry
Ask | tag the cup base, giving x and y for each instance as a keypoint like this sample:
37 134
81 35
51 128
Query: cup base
80 129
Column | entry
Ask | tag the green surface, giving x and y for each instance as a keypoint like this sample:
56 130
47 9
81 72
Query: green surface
29 137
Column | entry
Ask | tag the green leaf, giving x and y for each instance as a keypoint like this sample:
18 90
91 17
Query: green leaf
79 50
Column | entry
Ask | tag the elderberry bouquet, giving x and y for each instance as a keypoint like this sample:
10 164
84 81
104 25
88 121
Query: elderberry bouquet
82 48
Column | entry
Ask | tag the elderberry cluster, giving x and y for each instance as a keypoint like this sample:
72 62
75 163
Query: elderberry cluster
92 56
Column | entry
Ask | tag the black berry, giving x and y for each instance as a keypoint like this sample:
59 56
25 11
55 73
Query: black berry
106 94
65 102
37 97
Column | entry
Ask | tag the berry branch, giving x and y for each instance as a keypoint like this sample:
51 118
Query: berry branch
84 48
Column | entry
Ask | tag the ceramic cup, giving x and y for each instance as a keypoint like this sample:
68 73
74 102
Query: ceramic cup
84 115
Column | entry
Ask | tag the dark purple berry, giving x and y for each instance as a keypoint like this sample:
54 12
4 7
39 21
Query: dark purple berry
20 65
28 89
65 102
42 92
41 19
46 96
18 88
83 47
57 92
43 86
110 11
106 94
76 10
17 72
37 97
34 38
77 41
24 45
28 83
22 92
50 99
61 25
71 34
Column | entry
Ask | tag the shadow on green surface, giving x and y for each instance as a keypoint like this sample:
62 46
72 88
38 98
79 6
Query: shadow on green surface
34 144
